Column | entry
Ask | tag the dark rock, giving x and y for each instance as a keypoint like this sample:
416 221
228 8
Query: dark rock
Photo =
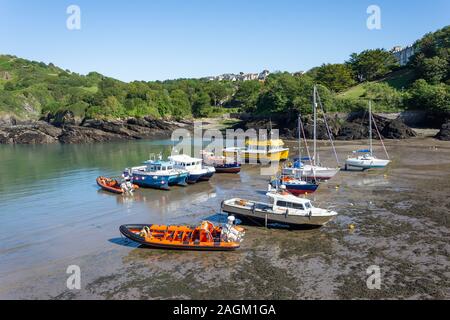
63 118
33 137
353 131
77 134
37 133
397 129
444 133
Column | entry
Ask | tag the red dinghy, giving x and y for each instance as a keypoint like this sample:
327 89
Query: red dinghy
112 185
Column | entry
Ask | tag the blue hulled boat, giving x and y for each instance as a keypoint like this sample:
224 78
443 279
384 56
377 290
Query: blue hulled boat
158 174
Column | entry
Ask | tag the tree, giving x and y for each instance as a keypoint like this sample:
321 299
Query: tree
247 94
372 64
201 104
434 70
181 106
336 77
429 97
386 97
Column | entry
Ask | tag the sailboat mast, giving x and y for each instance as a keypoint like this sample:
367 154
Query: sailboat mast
370 127
315 125
299 139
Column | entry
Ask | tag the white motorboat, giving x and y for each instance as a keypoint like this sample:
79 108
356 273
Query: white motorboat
197 171
284 208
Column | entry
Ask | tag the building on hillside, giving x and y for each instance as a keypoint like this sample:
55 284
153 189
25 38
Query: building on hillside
263 75
403 55
240 77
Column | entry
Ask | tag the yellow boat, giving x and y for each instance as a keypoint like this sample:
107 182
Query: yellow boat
260 151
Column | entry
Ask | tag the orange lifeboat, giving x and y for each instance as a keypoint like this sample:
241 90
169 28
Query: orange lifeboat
112 185
206 236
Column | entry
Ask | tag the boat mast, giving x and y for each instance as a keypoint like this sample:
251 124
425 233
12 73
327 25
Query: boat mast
315 125
299 139
370 127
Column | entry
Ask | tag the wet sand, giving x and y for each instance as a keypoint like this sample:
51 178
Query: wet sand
401 217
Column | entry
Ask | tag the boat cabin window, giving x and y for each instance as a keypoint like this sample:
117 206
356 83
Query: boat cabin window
285 204
308 205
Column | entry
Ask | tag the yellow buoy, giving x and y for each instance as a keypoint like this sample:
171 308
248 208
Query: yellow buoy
351 226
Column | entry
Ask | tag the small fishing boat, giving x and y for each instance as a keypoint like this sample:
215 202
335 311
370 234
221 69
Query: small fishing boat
112 185
197 171
158 174
296 186
284 208
222 164
206 236
364 159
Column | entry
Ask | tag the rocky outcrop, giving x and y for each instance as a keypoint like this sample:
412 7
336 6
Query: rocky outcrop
444 133
62 118
354 127
397 129
37 133
78 135
64 128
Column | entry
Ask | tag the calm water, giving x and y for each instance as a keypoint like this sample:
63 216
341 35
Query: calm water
52 215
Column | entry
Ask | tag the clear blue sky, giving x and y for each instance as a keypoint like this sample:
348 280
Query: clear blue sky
167 39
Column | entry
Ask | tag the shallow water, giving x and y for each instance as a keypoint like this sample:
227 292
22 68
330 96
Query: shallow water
52 215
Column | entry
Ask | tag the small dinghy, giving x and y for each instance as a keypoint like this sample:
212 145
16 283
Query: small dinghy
205 237
112 185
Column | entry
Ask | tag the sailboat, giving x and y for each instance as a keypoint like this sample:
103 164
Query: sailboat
366 160
313 170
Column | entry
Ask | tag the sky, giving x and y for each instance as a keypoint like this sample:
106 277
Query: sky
169 39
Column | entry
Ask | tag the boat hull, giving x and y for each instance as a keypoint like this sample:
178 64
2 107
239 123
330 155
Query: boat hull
206 176
113 189
318 174
159 182
160 244
259 217
366 164
116 190
232 168
296 189
259 157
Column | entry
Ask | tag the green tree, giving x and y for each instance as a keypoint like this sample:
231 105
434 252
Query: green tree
247 95
429 97
201 104
336 77
386 97
181 106
372 64
434 70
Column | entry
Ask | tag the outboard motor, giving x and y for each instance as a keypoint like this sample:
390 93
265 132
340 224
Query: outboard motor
232 233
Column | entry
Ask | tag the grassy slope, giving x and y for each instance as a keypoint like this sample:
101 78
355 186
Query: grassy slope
35 94
399 80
